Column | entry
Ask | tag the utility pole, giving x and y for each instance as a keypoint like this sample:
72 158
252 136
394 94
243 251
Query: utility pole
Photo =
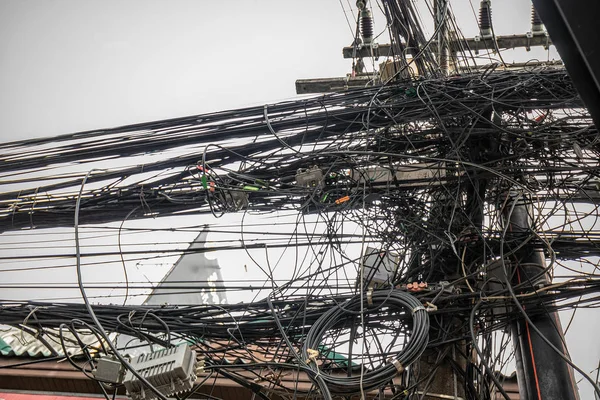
541 372
441 27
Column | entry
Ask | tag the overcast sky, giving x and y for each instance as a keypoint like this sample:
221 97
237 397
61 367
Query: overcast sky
73 65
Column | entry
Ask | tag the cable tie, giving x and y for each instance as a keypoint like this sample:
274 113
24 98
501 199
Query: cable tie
418 308
398 365
429 307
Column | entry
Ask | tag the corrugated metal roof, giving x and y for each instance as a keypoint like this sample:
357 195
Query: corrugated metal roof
15 342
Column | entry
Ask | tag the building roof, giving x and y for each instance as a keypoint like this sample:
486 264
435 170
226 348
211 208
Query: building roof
33 368
15 342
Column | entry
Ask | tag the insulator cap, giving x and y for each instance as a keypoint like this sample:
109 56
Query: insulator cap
366 26
485 18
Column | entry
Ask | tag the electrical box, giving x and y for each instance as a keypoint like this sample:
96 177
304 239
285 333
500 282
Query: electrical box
310 178
379 267
171 371
418 174
108 370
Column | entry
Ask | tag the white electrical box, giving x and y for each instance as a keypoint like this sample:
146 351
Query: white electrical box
171 371
379 267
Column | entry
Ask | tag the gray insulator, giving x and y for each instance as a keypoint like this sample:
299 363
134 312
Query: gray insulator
485 18
366 26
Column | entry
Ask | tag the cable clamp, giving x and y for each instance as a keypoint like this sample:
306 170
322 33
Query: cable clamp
398 365
312 355
200 367
446 287
370 296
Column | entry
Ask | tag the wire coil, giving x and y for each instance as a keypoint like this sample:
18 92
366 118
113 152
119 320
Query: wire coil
394 301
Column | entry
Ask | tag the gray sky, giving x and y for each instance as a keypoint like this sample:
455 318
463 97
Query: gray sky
72 65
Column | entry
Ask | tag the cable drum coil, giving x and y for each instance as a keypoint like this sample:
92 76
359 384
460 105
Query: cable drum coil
384 301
